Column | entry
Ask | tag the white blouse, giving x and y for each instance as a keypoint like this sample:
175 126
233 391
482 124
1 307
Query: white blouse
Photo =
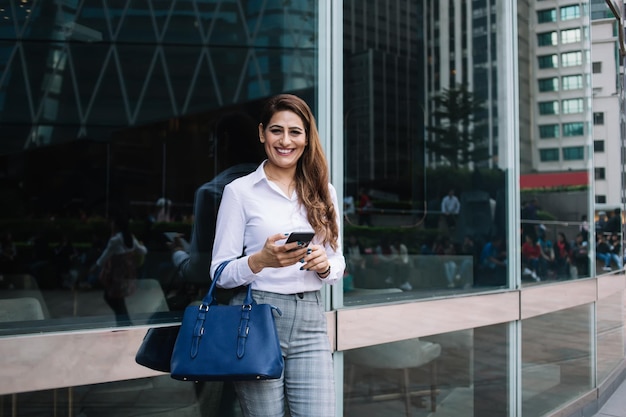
252 209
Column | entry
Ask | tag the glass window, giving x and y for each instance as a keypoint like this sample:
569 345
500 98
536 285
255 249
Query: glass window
573 129
548 61
600 199
546 16
556 359
409 160
570 12
133 105
548 155
598 146
600 173
569 59
572 105
570 35
547 39
450 371
545 164
598 118
159 395
548 107
573 153
549 84
596 67
549 131
572 82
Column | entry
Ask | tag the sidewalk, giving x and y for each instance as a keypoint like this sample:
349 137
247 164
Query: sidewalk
616 405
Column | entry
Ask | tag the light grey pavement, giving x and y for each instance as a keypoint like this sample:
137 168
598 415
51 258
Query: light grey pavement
616 405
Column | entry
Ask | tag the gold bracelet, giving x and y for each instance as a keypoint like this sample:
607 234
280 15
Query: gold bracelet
325 273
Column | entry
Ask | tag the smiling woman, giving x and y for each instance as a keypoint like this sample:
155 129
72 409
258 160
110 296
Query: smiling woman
289 192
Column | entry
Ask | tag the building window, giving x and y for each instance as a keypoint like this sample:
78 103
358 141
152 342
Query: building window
570 59
570 35
598 118
549 155
546 16
572 82
573 129
598 145
548 61
596 67
600 199
600 173
549 131
570 12
573 153
549 107
572 105
547 39
549 84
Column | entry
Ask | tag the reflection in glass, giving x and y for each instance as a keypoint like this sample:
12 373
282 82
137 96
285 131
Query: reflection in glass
159 395
554 167
452 374
118 108
609 334
424 189
556 359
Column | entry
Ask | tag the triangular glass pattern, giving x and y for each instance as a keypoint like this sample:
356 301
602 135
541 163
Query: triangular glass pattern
155 102
136 24
109 90
203 93
120 63
183 26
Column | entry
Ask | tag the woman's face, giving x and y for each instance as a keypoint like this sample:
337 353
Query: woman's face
284 139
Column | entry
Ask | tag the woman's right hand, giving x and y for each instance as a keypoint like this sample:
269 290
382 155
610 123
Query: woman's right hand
276 255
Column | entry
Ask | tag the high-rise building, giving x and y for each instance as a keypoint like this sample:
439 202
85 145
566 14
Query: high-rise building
561 82
607 73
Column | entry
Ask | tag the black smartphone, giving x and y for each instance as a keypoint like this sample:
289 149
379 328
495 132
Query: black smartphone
304 237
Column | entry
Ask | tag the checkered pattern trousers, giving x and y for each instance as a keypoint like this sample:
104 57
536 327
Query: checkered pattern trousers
307 384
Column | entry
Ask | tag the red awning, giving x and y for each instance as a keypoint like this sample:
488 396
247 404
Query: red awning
554 179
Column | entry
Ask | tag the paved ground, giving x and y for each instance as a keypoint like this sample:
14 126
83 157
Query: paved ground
616 405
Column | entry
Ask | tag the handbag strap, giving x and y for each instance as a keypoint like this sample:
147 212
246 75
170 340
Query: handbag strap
203 308
209 300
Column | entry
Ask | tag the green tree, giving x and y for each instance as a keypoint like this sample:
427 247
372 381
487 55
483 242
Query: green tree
453 139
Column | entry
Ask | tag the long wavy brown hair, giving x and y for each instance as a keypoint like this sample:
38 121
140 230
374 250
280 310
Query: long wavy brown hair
312 175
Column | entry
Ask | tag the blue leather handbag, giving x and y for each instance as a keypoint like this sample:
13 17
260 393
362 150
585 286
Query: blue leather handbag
227 342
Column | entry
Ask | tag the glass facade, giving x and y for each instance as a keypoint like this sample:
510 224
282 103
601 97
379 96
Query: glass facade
466 293
557 361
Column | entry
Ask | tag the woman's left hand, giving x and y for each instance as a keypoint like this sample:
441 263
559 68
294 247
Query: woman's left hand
317 260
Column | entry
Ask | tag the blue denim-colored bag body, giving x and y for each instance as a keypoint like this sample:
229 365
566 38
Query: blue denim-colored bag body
227 342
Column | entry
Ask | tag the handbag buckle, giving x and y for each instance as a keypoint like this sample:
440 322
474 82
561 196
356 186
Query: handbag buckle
203 307
246 307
